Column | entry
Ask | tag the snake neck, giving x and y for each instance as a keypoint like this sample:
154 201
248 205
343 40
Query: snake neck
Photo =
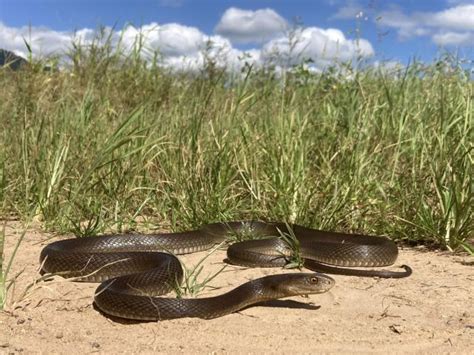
116 303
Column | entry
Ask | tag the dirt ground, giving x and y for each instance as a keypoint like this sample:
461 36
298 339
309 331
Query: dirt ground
429 312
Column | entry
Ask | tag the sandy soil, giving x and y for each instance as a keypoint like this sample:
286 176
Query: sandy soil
429 312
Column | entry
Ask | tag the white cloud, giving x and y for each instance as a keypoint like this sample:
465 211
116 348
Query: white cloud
459 17
441 26
349 10
41 40
397 19
169 40
187 48
246 26
181 47
215 48
454 38
322 46
391 67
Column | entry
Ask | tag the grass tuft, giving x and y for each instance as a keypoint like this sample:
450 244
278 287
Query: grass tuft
5 282
295 259
193 283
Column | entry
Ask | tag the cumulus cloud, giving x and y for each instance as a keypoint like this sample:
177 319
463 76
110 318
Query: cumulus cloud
246 26
41 40
323 47
187 48
453 26
215 48
180 47
169 40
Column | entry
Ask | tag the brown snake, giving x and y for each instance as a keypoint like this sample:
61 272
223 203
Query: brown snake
134 271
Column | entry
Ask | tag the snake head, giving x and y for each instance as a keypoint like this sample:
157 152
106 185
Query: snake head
303 284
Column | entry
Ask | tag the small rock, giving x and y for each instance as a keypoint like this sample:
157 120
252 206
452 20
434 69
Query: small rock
59 336
395 328
95 345
20 321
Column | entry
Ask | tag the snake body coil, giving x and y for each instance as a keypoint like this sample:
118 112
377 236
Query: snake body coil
134 271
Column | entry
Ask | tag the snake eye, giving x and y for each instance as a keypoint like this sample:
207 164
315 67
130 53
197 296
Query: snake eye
314 280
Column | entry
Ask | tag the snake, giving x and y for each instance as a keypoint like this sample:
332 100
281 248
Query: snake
136 270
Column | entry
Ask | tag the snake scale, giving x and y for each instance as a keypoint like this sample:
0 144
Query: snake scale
135 269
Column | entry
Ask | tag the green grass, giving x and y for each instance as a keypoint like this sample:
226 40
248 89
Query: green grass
115 145
295 258
193 281
7 282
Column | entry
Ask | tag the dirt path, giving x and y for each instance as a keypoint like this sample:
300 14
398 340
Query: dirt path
430 312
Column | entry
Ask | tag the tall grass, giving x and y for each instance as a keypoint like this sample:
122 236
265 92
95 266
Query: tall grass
6 281
115 144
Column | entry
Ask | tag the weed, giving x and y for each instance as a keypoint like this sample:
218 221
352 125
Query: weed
192 284
294 258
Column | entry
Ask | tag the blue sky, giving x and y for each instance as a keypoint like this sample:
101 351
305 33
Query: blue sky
390 30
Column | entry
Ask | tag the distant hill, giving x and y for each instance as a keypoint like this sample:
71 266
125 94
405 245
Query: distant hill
14 61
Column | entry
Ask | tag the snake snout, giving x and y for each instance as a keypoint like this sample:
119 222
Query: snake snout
310 283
